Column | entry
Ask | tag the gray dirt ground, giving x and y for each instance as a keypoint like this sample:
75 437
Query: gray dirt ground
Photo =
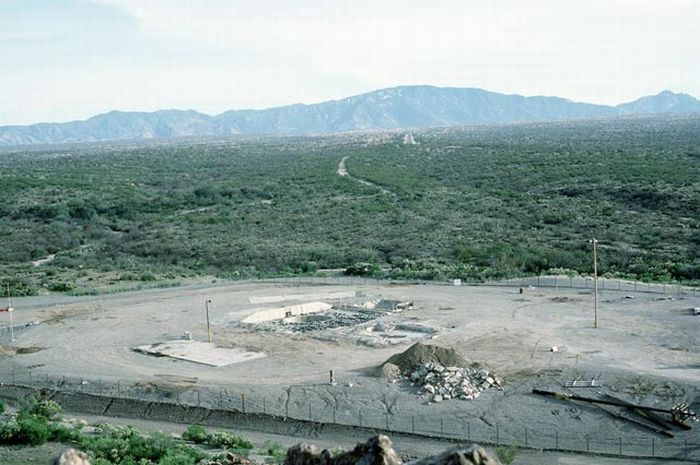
647 350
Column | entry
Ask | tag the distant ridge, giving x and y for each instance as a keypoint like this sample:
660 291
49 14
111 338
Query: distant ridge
393 108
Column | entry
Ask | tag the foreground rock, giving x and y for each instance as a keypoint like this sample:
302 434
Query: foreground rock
379 451
71 457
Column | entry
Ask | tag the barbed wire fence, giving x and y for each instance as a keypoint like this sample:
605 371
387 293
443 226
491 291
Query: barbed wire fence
223 398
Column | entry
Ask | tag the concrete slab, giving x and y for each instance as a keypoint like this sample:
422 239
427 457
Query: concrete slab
205 353
267 299
270 314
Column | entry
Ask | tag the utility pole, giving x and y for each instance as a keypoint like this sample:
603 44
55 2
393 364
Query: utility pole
206 306
594 241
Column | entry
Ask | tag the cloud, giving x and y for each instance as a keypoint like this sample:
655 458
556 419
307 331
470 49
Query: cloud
217 54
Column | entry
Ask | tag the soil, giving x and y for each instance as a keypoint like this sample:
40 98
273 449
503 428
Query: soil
645 350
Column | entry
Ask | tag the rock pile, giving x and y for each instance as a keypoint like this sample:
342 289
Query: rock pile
440 383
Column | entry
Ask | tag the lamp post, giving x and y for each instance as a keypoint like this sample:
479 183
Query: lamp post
594 241
206 306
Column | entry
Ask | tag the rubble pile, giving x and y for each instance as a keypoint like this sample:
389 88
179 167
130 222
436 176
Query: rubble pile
440 383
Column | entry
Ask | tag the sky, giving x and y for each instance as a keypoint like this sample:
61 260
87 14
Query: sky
64 60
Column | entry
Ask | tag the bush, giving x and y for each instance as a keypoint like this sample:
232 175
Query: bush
506 454
47 409
33 430
226 440
196 433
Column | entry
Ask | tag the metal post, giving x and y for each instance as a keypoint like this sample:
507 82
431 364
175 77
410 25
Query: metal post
469 432
264 407
525 437
620 445
198 398
653 448
360 414
557 440
81 384
99 386
243 403
588 443
442 428
386 421
119 390
206 306
594 241
413 424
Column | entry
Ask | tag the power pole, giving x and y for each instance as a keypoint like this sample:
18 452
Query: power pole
206 306
594 241
10 310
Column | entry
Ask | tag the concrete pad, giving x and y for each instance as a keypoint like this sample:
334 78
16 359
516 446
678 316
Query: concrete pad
279 313
205 353
267 299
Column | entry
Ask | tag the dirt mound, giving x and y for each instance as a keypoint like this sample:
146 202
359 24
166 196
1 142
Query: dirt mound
390 371
418 354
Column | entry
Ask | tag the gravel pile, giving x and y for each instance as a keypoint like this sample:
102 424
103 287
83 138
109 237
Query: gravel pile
438 382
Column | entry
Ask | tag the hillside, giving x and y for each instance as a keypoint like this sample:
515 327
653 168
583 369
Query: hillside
476 203
399 107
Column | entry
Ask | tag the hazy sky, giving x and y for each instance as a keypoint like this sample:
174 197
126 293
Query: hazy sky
70 59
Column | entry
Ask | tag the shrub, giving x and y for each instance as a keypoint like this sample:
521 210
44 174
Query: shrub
47 409
33 430
196 433
506 454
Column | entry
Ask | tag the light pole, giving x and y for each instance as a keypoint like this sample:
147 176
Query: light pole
206 306
594 241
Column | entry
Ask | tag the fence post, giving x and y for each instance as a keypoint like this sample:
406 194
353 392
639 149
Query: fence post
685 446
557 439
99 386
221 399
198 399
653 448
413 424
119 388
360 414
243 403
441 427
13 376
588 444
469 432
525 437
335 413
497 436
286 409
81 384
620 442
177 397
264 407
310 412
386 421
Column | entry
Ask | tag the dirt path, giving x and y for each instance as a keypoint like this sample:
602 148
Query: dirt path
343 172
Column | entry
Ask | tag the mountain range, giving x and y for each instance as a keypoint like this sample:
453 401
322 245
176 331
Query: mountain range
393 108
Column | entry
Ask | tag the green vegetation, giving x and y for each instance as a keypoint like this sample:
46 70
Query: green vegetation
38 422
475 204
220 440
506 454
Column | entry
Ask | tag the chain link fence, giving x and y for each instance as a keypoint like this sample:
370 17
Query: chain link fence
572 282
223 398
